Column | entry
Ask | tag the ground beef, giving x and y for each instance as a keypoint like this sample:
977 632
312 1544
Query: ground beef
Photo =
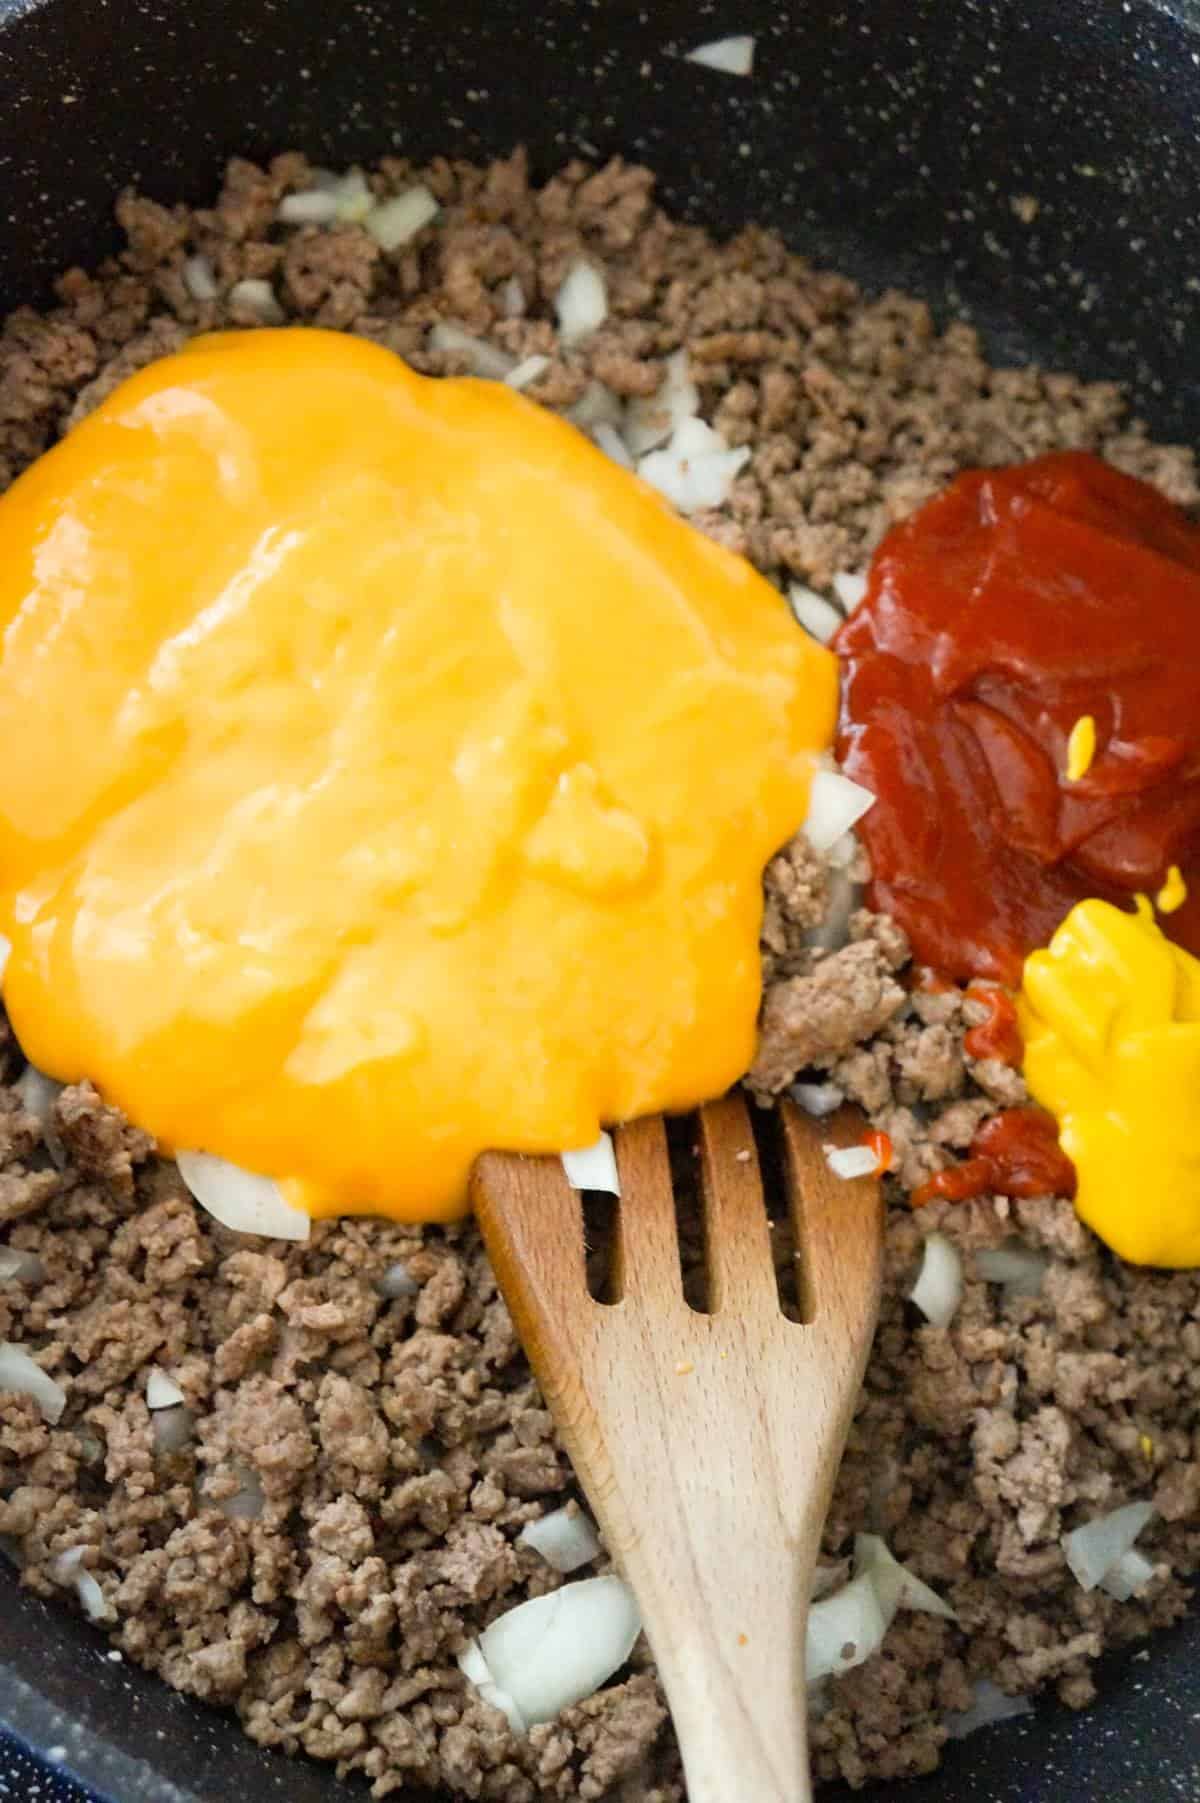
311 1538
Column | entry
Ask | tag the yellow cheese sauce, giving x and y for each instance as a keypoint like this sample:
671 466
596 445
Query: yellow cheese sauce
389 776
1110 1013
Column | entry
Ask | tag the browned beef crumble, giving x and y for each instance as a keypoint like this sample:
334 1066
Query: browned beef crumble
342 1511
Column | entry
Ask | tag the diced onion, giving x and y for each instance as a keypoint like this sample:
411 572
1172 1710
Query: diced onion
819 617
851 1161
473 1665
68 1569
397 1281
241 1200
354 197
512 298
1019 1268
818 1099
651 419
835 805
834 930
555 1650
258 297
696 469
581 303
162 1392
20 1373
200 278
939 1286
315 206
731 56
527 371
612 444
38 1094
595 404
506 1704
393 222
1124 1579
1095 1548
172 1428
849 588
246 1503
20 1267
990 1705
566 1539
485 359
846 1628
593 1167
894 1582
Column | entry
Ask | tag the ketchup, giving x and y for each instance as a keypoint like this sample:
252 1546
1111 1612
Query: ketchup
1016 1153
999 1036
1006 609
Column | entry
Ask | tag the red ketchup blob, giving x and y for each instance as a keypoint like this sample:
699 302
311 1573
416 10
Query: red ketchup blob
1016 1153
1003 611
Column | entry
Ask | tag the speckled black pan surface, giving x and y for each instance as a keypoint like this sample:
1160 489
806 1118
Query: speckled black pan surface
886 137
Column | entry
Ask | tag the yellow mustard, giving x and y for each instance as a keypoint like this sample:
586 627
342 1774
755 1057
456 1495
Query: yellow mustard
1110 1013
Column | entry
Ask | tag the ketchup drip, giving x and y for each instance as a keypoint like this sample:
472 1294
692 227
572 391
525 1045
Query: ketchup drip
1016 1153
1007 608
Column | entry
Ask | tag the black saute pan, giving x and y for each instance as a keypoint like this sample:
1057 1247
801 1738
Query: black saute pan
886 137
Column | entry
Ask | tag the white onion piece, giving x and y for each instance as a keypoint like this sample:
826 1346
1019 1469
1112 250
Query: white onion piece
597 403
818 1099
240 1200
485 359
612 444
1019 1268
473 1665
851 1161
990 1705
581 302
172 1429
200 278
731 56
501 1700
512 298
68 1569
162 1392
354 197
843 851
246 1503
894 1582
38 1094
834 930
20 1267
650 419
1124 1579
20 1373
593 1167
527 371
835 805
1093 1549
846 1628
258 297
849 588
819 617
397 1281
557 1649
939 1286
393 222
315 206
566 1539
696 469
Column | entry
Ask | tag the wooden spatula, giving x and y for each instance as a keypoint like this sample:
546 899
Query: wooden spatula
707 1444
